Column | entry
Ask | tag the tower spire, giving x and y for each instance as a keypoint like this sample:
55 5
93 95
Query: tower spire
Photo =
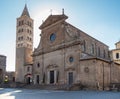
25 11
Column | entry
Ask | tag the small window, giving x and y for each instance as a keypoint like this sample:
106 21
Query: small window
98 51
104 54
52 37
84 45
92 49
27 38
28 69
22 22
18 45
86 70
21 30
38 65
28 30
21 38
18 31
117 55
71 59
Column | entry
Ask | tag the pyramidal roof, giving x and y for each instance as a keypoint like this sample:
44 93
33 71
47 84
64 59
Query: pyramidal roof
25 11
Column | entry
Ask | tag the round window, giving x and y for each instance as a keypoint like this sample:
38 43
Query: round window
71 59
52 37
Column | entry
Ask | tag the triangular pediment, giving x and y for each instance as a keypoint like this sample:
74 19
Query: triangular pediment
53 19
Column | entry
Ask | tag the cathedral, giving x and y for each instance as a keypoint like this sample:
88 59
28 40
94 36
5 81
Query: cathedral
65 55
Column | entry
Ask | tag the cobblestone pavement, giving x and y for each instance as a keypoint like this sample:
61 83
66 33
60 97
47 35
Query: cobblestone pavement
47 94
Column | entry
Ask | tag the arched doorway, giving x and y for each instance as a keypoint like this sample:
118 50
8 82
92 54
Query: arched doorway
28 78
70 78
52 77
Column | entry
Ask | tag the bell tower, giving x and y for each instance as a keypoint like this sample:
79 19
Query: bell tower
24 44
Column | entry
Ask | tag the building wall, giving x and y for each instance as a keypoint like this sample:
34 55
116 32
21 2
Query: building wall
10 76
2 67
115 73
58 61
100 49
94 73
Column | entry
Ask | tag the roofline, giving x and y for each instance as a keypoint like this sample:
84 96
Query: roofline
115 49
95 58
41 26
88 35
2 56
117 42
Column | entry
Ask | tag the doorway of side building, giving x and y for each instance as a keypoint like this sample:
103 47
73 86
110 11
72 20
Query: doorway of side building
70 78
28 80
52 77
37 79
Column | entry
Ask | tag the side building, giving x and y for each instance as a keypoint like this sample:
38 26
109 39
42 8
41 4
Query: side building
2 68
68 56
24 47
115 53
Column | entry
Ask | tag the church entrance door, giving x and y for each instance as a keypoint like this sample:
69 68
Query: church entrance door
70 75
51 77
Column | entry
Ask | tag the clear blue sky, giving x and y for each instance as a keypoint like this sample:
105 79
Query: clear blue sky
98 18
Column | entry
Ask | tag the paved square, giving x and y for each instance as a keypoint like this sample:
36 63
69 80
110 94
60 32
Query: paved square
47 94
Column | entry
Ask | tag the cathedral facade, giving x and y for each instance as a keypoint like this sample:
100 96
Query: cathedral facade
65 55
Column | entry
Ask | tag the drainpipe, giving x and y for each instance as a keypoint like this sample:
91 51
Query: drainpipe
103 76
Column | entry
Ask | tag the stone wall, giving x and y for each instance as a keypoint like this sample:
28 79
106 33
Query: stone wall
2 67
94 73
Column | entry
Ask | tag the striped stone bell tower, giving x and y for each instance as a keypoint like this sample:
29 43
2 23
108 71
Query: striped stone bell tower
24 44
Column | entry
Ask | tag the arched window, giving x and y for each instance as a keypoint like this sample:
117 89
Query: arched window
28 69
52 37
22 22
38 65
92 48
117 55
98 51
21 30
84 45
104 54
28 30
71 59
21 38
